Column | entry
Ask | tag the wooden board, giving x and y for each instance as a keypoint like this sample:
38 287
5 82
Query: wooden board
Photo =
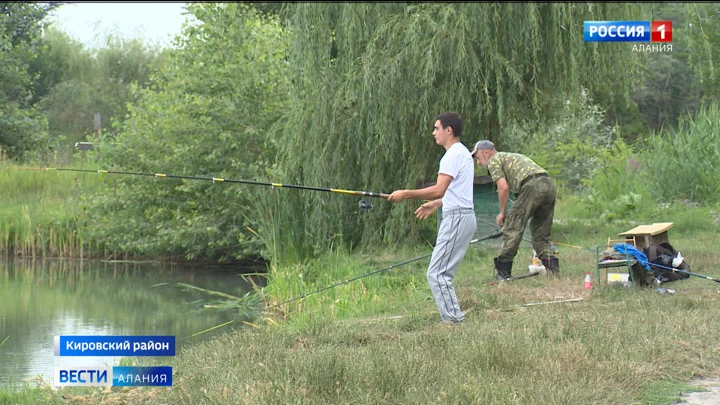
654 229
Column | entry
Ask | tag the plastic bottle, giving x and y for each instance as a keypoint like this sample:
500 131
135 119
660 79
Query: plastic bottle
536 266
588 281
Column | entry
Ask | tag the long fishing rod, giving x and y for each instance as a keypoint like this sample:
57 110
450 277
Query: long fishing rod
495 235
221 180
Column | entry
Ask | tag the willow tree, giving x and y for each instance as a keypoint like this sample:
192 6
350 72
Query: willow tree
701 44
370 79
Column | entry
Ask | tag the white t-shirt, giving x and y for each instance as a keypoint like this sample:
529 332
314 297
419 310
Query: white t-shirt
458 164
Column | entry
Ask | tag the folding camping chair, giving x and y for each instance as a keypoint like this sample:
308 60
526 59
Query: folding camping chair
608 258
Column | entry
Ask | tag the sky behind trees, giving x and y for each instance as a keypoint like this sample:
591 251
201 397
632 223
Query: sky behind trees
158 23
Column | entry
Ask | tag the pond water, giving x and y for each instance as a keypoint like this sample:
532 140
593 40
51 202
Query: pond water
43 299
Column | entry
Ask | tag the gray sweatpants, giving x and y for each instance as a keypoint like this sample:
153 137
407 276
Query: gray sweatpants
456 231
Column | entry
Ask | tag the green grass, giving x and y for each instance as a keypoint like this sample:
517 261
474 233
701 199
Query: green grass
665 392
32 394
379 340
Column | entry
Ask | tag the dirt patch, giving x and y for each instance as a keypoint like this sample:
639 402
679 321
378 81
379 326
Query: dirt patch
710 397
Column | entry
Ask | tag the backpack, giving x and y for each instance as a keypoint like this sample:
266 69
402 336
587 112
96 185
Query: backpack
663 255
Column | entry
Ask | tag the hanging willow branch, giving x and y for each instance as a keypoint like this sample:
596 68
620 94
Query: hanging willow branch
370 79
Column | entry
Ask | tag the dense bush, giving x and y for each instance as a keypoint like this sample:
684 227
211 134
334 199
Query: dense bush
570 145
208 116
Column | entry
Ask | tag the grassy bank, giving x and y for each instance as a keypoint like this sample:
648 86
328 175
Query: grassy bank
379 339
39 211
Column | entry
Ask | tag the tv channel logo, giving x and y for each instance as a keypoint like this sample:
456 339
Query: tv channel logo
627 31
117 376
83 376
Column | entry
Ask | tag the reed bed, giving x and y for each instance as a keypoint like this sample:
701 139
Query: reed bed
40 212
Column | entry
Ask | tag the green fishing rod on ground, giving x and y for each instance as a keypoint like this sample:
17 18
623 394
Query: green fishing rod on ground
221 180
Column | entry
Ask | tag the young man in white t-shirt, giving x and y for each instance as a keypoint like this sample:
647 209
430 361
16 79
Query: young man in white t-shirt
453 191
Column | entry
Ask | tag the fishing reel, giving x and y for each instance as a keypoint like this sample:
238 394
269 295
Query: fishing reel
365 205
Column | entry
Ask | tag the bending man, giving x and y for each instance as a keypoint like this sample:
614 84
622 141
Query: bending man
535 192
453 191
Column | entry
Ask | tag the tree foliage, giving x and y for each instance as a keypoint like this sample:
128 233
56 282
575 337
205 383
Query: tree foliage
675 166
370 79
340 95
51 85
206 115
671 84
570 143
703 45
21 128
74 83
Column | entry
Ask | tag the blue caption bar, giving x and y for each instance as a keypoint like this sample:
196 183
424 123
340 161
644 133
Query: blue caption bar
114 345
142 376
616 31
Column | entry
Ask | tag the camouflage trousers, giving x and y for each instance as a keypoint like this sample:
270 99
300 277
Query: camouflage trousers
536 203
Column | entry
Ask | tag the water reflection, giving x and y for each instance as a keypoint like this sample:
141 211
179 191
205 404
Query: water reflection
43 299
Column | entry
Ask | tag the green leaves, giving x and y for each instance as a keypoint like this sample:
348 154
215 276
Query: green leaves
208 118
21 128
344 95
371 78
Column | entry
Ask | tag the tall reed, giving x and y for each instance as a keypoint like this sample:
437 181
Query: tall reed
39 211
683 164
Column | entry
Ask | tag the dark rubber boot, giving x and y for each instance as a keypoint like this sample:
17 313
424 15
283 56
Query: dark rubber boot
552 264
503 270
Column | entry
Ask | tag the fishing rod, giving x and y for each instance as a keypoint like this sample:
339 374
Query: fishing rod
493 236
574 246
526 240
221 180
497 227
674 270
